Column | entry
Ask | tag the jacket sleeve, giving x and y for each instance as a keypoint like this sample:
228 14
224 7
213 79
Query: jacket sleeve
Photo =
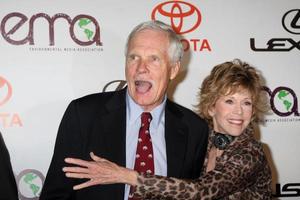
9 187
68 144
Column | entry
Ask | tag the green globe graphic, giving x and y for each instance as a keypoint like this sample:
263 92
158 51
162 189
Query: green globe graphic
30 184
283 97
83 23
29 180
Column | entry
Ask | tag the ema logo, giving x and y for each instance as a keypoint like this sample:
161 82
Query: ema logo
7 119
83 29
184 18
30 183
291 23
283 101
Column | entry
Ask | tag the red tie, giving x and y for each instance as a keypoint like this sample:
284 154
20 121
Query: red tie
144 162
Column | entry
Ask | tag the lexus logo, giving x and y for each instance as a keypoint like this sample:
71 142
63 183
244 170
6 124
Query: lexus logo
291 21
5 91
182 16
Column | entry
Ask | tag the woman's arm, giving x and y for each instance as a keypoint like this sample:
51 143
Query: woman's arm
231 175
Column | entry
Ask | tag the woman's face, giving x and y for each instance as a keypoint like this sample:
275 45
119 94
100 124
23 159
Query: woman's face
232 113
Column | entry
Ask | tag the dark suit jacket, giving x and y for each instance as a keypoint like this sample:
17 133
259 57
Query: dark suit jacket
98 123
8 189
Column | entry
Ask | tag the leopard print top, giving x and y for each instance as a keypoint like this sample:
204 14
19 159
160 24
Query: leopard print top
241 173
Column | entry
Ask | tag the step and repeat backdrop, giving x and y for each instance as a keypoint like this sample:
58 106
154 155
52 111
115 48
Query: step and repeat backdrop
55 51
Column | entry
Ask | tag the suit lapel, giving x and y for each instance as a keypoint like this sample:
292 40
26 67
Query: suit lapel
176 134
112 125
109 135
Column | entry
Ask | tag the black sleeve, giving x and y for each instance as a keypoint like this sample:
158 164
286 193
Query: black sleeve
68 144
7 179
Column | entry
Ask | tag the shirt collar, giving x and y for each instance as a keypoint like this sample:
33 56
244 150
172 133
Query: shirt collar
134 111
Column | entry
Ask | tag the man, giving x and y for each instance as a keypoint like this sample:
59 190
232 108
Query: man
8 184
108 123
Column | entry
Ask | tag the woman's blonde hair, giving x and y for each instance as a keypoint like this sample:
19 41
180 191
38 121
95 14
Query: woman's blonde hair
228 78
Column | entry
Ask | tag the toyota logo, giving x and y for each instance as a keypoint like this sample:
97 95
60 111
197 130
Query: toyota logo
5 91
291 21
183 17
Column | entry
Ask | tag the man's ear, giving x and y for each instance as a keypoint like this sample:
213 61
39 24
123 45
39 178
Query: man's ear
175 70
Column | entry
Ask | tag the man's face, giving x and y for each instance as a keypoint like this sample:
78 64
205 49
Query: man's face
148 68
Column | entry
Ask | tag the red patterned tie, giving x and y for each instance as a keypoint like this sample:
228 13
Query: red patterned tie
144 162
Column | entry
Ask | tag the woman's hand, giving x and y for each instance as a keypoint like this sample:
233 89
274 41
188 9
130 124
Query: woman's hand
99 171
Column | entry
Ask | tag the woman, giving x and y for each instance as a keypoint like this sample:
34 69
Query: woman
235 166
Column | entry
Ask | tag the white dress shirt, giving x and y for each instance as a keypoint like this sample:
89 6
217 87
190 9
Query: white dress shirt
157 132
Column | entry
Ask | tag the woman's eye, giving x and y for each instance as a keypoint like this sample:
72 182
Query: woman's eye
229 101
248 103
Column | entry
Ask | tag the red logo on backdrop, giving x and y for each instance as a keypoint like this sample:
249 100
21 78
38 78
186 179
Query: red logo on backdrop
178 12
184 18
5 91
7 119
